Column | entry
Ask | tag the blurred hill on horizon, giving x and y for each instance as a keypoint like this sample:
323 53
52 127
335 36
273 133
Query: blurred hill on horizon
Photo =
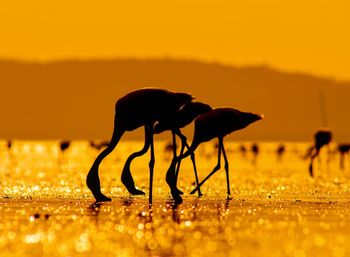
75 99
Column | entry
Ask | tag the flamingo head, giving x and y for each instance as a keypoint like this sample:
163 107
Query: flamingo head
252 117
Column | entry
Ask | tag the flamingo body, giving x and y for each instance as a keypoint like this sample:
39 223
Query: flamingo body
142 107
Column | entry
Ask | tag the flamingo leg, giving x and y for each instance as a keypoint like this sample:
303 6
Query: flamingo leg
179 164
193 159
171 177
151 165
313 156
92 179
221 144
174 154
126 176
217 167
174 143
171 173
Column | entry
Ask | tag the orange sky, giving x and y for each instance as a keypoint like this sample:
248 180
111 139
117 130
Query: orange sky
311 36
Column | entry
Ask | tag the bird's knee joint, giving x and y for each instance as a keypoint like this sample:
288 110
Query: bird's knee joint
170 179
151 163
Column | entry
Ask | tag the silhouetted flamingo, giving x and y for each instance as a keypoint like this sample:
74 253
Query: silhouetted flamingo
322 137
216 124
255 150
139 108
9 144
178 120
280 151
343 150
64 145
243 150
169 147
100 145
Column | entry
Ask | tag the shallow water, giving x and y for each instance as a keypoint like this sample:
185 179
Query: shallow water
276 208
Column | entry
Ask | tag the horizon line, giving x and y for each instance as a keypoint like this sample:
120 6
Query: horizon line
174 59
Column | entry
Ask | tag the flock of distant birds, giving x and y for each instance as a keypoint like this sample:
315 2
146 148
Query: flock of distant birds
159 110
343 149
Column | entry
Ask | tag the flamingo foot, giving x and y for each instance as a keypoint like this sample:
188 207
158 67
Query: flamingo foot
101 198
194 191
135 191
199 192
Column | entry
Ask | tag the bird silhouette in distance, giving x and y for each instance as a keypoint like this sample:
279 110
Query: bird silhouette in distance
143 107
64 145
169 147
217 124
174 123
255 151
99 145
322 137
281 149
243 150
343 149
9 144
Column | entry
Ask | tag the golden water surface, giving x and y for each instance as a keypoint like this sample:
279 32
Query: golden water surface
276 208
